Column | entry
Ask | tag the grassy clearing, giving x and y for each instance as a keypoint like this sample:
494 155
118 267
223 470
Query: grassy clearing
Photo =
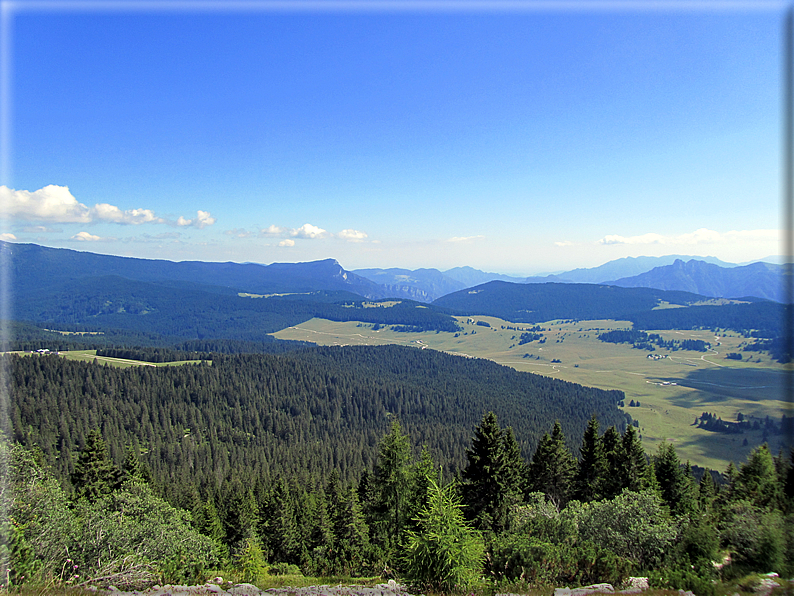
671 390
90 356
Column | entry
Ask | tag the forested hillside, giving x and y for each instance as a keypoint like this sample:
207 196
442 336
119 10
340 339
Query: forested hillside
535 303
301 413
190 311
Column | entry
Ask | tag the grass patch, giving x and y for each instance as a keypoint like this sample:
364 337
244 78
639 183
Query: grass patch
90 356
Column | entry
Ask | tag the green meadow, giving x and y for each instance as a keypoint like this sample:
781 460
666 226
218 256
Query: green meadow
90 356
672 389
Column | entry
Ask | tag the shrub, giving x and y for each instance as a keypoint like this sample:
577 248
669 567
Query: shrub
633 525
681 579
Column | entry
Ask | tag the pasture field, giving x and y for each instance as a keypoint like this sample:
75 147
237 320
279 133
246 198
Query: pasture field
90 356
672 390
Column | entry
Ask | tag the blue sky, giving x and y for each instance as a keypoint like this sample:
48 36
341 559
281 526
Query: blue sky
520 140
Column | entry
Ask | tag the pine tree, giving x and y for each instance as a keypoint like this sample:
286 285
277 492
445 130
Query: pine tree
390 484
239 514
707 491
351 534
279 526
95 474
589 482
675 484
444 553
613 453
552 468
492 478
634 465
757 480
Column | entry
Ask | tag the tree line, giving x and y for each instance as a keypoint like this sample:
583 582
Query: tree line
553 519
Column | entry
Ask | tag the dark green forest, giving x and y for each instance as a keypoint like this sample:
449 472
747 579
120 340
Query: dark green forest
304 412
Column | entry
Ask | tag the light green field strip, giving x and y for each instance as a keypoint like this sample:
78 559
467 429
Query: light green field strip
672 390
90 356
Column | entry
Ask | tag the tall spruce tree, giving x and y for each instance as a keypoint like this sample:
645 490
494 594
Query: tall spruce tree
758 481
552 468
95 474
675 484
634 465
390 487
612 446
589 482
492 478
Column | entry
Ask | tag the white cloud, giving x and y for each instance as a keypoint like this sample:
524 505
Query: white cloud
202 220
309 231
57 204
564 243
287 242
276 231
698 237
353 235
464 238
6 237
86 237
306 231
51 203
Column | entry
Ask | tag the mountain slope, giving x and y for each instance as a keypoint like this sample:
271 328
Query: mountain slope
761 280
36 267
424 285
619 268
529 303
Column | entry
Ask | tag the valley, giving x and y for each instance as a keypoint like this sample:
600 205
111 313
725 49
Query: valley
671 390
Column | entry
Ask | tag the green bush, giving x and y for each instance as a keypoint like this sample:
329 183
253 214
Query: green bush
524 558
285 569
757 538
682 579
633 525
133 538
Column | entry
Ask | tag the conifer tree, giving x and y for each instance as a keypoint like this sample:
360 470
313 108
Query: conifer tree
279 527
707 491
95 474
589 482
613 453
492 478
390 484
675 484
757 480
207 521
633 468
239 514
351 534
552 468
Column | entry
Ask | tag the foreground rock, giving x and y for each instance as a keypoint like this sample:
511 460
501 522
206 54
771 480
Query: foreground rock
391 588
635 585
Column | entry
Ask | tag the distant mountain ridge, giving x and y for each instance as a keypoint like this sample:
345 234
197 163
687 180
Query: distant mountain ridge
759 280
619 268
36 268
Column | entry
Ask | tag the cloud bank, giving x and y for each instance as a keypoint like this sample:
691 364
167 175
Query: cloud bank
700 236
57 204
309 232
